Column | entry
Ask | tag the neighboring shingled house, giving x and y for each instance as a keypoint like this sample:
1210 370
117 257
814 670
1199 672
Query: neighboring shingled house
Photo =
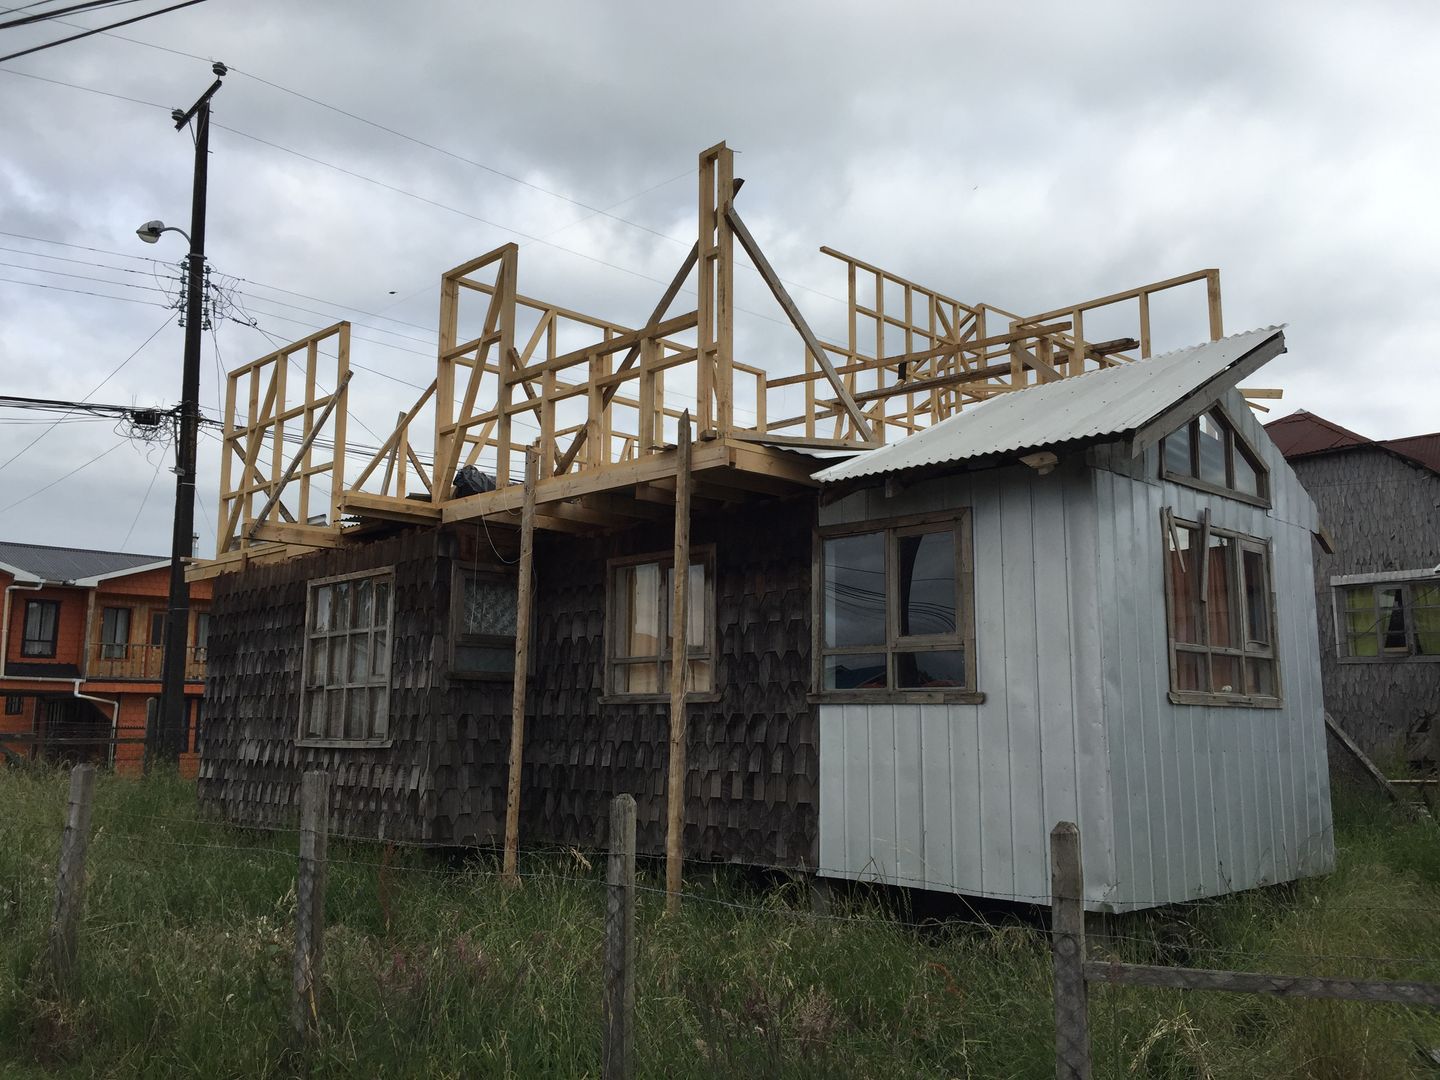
1379 593
80 647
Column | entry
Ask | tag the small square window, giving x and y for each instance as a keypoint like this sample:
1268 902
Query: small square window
1390 620
483 634
639 611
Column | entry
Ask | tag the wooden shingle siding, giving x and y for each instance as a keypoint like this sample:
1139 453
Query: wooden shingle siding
1383 514
251 766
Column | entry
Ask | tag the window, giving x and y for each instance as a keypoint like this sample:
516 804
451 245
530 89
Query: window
347 659
1208 453
114 633
1221 616
42 619
14 705
1390 620
641 594
896 611
202 635
157 627
483 642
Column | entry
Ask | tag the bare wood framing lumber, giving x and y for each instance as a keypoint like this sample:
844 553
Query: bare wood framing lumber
289 473
812 343
679 672
524 591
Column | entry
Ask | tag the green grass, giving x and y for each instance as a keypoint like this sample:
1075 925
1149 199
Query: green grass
433 969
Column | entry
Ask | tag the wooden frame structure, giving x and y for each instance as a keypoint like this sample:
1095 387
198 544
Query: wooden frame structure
603 402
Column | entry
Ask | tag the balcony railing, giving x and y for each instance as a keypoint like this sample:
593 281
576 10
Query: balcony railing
140 662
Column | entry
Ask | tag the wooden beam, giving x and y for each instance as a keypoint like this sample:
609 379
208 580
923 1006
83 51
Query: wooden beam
679 671
300 454
772 279
314 536
524 588
368 504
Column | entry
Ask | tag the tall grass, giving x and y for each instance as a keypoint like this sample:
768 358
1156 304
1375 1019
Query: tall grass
433 967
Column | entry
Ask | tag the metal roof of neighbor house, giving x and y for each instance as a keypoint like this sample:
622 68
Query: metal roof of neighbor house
1303 433
39 562
1110 403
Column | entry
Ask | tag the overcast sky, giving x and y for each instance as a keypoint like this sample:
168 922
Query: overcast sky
1026 155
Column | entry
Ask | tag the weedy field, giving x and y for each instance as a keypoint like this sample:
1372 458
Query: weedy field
435 968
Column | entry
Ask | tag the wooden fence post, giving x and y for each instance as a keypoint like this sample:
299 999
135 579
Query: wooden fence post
1067 943
618 1058
310 904
70 877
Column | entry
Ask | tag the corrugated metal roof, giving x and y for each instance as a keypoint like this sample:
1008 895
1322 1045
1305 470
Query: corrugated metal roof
1303 433
1099 404
1424 449
39 562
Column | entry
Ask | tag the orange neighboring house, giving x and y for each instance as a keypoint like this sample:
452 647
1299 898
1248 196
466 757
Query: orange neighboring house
80 648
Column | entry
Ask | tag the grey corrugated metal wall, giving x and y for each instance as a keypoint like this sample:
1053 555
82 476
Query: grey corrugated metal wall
963 796
1173 801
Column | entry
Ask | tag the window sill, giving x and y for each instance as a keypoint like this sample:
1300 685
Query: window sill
695 697
896 697
345 744
1229 701
1215 489
1397 659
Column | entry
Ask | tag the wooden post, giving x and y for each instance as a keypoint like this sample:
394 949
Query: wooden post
679 670
70 878
1067 943
619 1040
523 591
310 904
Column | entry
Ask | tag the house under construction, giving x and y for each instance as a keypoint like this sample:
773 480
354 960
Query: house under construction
965 574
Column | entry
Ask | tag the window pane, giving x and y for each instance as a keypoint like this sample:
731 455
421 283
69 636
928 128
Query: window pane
382 602
357 714
639 605
334 713
930 670
927 583
484 659
855 589
702 676
1257 597
317 661
1425 613
489 607
359 658
1247 473
1392 620
1225 674
380 712
320 600
637 679
340 605
860 671
694 608
1211 439
360 604
1176 449
1224 621
1260 677
202 630
315 722
1185 583
1189 671
157 628
335 676
380 657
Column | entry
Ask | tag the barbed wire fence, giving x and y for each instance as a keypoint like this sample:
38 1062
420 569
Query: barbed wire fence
1076 972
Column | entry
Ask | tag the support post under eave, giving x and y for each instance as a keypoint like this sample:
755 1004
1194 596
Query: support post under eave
524 590
679 672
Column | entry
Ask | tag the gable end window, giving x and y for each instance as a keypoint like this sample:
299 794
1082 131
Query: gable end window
896 616
42 621
346 696
1209 453
1397 619
482 643
638 605
1221 616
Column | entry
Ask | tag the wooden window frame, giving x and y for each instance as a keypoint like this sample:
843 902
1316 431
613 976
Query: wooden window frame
118 649
459 639
1247 650
54 640
701 553
1232 437
1374 583
958 522
386 573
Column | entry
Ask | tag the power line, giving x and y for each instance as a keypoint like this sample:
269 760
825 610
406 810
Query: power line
55 13
99 30
84 292
72 472
143 500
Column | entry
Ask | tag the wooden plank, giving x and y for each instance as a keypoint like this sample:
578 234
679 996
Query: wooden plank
524 588
679 671
1067 931
1362 759
618 1051
314 536
1252 982
767 272
369 504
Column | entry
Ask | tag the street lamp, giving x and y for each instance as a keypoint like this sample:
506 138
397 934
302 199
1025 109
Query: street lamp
167 738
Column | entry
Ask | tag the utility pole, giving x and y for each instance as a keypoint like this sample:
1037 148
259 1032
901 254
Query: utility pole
168 741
